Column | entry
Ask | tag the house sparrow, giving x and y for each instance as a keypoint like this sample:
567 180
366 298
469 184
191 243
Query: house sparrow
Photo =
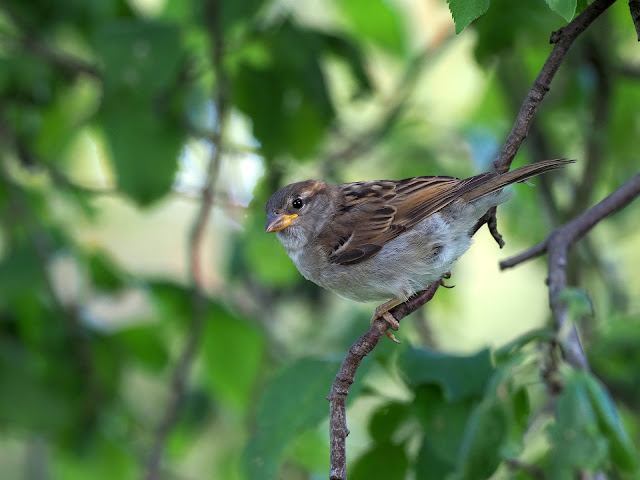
385 240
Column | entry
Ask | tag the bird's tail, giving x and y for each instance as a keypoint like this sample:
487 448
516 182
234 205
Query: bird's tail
487 183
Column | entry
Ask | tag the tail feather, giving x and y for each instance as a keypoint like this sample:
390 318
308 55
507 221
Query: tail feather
480 185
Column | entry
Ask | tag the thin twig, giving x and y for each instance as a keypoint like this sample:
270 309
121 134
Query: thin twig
578 227
181 372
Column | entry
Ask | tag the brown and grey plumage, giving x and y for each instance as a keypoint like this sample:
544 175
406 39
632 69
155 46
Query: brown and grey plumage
386 239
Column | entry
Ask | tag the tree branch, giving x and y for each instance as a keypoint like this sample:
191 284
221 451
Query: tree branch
578 227
346 375
563 39
183 366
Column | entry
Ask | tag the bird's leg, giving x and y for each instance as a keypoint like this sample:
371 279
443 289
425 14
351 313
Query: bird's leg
446 276
382 311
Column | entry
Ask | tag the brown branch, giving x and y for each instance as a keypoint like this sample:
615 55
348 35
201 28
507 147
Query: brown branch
558 244
512 80
180 374
346 375
579 226
563 39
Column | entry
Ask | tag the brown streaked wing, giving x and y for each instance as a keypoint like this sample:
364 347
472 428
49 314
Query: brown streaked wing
374 213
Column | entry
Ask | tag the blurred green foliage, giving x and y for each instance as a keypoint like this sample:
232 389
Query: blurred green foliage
108 112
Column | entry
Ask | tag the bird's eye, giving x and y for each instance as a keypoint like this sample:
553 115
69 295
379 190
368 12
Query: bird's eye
297 203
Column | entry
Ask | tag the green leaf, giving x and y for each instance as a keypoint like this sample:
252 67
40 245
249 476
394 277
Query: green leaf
581 5
28 401
565 8
483 438
19 271
576 440
579 304
466 11
506 26
141 63
429 465
144 344
104 273
622 450
233 350
288 86
173 301
234 12
294 401
107 458
507 351
376 20
385 460
139 57
144 148
442 421
311 450
459 376
386 420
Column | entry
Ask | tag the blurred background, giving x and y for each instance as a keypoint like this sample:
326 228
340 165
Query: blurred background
149 328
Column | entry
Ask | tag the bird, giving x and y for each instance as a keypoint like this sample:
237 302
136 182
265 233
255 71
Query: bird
386 240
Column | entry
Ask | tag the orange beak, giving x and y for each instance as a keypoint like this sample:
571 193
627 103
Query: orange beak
278 221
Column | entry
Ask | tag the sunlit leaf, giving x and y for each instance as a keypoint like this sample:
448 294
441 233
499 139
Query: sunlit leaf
466 11
564 8
376 20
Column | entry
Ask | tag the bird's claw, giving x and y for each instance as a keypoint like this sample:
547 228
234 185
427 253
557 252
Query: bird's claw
383 312
446 276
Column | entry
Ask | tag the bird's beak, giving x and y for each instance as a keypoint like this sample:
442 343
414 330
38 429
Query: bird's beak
278 221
